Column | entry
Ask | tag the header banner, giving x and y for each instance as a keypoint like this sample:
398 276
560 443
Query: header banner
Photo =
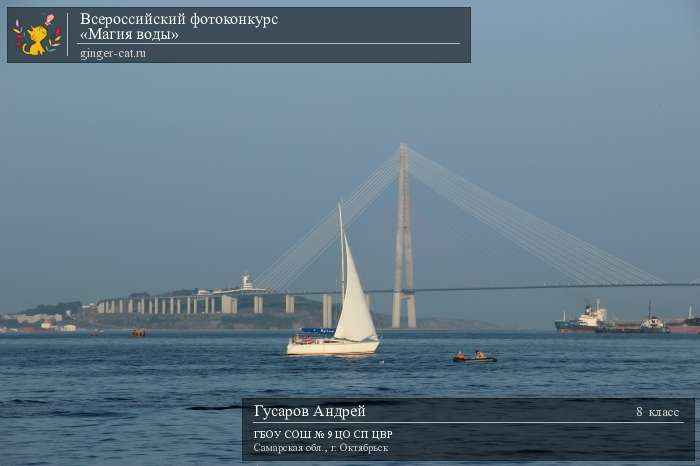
238 35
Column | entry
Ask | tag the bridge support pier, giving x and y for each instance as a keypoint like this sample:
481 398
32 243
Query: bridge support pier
229 305
289 304
327 311
257 304
411 309
404 248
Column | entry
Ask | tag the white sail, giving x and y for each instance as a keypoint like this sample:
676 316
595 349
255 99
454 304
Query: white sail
355 322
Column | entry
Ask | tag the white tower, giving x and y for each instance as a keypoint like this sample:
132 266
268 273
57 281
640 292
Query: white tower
246 282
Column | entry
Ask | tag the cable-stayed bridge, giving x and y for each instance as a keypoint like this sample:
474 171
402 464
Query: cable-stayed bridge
583 264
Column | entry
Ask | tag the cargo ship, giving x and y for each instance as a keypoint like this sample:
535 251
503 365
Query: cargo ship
620 326
591 319
651 324
595 320
689 325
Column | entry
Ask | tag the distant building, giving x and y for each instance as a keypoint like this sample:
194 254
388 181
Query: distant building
247 286
247 282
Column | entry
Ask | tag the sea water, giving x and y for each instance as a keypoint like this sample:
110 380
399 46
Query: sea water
174 398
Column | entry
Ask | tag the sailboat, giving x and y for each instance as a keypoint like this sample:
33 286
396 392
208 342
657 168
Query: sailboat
355 333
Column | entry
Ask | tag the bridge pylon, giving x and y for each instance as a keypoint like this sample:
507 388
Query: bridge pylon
404 250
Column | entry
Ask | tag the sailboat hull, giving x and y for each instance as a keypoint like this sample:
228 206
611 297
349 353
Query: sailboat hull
331 347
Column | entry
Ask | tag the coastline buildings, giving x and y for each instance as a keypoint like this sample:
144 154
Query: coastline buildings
27 323
34 318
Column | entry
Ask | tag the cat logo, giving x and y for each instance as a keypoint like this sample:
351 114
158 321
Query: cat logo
38 40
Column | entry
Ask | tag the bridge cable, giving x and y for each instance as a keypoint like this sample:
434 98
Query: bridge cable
570 255
309 248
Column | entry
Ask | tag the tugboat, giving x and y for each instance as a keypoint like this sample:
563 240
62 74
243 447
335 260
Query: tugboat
587 322
138 332
653 324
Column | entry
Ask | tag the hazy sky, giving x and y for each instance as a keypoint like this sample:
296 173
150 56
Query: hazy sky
121 178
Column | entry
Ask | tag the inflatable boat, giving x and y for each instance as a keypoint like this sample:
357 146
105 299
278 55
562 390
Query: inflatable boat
456 359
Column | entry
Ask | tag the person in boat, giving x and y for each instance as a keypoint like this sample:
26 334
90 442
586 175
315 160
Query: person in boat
479 355
459 356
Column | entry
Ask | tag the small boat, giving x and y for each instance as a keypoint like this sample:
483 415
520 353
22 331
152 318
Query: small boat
138 332
489 359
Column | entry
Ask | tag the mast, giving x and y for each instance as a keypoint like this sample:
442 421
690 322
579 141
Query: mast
342 254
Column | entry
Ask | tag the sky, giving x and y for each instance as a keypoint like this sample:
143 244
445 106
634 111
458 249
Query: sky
122 178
